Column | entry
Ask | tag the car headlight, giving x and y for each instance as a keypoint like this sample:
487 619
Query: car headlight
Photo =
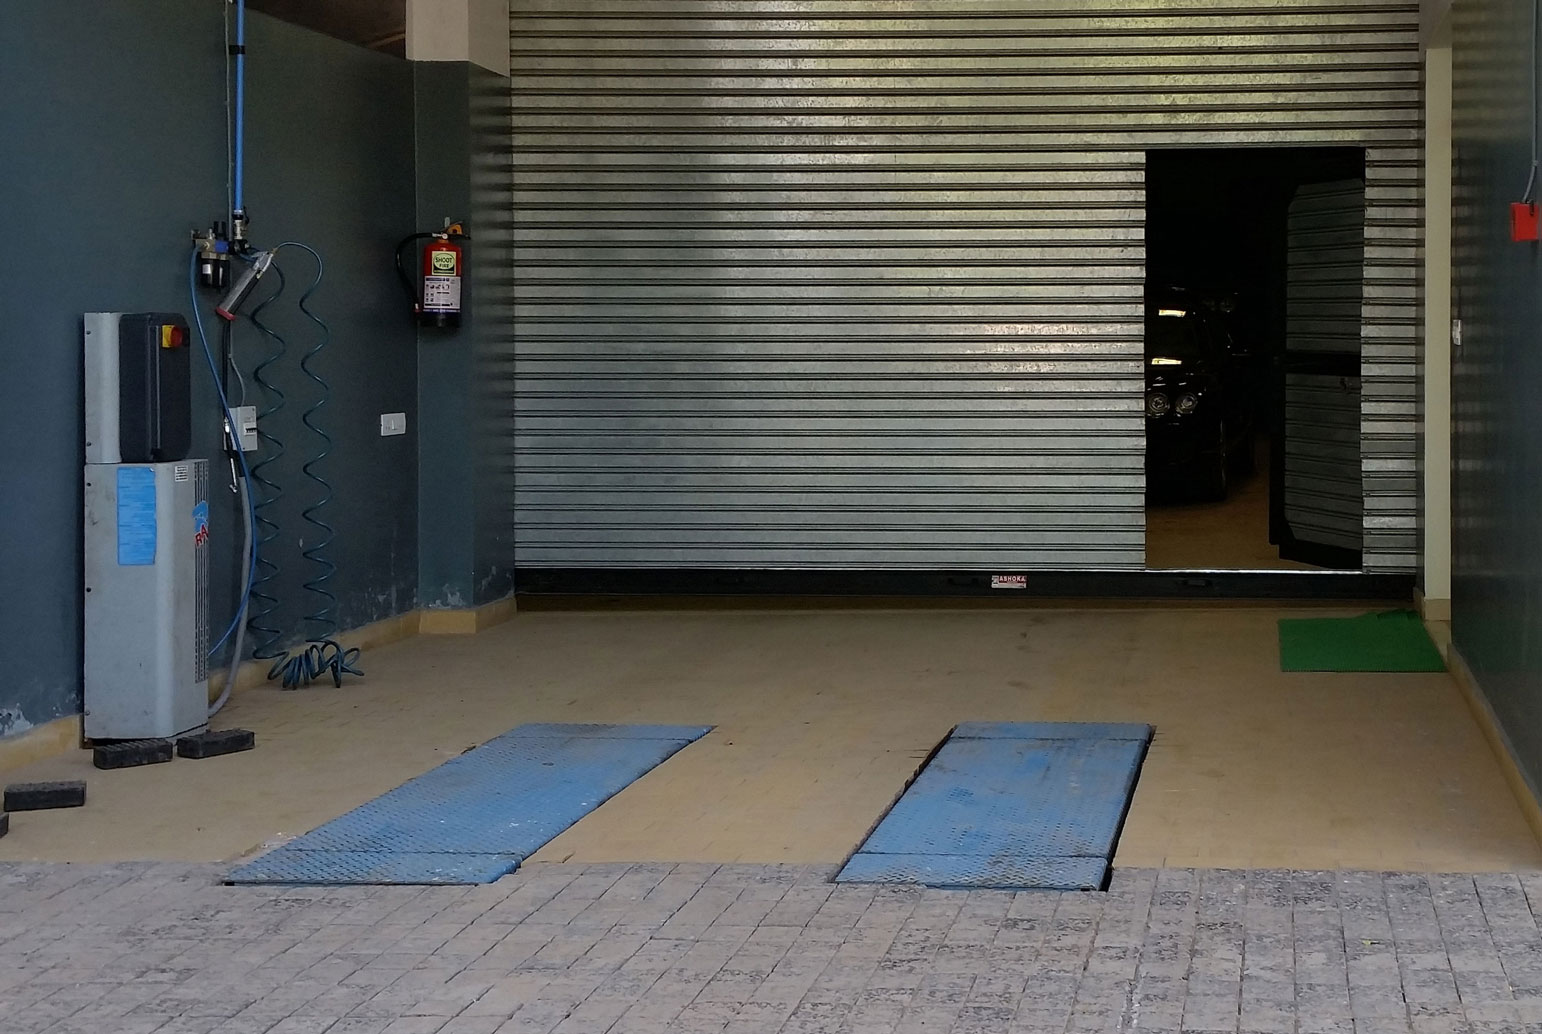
1157 404
1186 404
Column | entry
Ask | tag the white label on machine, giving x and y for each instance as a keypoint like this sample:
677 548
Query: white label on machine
1009 581
441 294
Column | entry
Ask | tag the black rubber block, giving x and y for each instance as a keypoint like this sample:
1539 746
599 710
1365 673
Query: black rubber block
131 753
212 744
41 796
5 823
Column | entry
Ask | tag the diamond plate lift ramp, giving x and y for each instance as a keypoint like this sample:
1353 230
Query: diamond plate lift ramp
475 817
1009 806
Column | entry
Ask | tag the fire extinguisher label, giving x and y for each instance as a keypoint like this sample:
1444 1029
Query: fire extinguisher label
441 293
443 262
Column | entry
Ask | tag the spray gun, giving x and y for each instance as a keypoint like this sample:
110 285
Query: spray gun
227 309
231 303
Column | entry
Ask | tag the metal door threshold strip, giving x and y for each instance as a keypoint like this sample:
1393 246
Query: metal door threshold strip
476 817
1010 806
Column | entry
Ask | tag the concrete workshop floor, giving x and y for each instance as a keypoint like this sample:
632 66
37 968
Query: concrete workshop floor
1232 535
821 717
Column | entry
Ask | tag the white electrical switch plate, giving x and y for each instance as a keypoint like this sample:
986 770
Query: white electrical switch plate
392 423
246 426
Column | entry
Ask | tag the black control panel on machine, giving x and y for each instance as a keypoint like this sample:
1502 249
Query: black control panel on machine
155 403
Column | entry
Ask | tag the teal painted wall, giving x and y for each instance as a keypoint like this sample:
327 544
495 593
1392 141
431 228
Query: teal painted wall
466 382
112 118
1497 374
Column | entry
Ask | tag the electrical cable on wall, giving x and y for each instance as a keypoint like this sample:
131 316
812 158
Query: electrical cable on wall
1529 195
248 547
243 482
231 368
1524 223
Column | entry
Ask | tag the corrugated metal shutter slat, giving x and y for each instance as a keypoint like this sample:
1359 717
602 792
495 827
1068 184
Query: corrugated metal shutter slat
858 283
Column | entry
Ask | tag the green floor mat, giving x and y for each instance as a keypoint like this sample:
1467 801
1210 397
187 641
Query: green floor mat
1390 641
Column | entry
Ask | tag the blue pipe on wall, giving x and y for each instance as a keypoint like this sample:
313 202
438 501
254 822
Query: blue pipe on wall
238 196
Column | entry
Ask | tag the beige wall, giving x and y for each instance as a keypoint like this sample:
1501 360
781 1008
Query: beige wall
1434 18
459 30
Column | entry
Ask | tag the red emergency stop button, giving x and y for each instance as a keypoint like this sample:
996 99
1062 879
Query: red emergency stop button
173 336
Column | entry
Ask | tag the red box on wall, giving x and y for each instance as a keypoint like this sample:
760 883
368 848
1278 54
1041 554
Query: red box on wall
1523 221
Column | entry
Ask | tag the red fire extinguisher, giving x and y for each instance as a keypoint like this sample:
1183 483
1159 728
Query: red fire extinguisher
436 299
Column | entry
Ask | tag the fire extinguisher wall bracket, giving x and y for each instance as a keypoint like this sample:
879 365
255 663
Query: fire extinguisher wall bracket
437 296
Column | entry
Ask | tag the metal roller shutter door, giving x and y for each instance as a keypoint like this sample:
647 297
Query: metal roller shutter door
1324 501
857 284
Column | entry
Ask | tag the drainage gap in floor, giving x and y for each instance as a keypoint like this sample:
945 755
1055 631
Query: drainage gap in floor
1010 806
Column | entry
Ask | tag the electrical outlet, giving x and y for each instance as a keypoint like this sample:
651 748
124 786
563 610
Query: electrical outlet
392 423
246 427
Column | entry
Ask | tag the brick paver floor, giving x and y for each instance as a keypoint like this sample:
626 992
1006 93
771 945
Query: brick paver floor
689 949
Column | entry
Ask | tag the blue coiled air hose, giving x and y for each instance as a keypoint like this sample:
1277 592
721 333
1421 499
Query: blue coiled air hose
266 492
322 655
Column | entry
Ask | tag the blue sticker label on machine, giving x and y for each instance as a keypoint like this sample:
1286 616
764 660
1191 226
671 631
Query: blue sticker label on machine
136 516
201 523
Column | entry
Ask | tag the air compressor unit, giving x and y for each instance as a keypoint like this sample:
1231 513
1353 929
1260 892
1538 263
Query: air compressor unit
146 615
